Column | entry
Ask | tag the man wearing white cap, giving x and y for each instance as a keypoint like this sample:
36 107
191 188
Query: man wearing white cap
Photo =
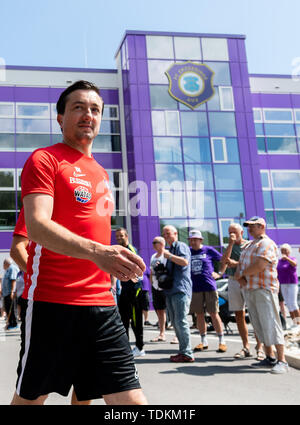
205 295
257 273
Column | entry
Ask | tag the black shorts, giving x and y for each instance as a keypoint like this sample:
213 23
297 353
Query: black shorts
65 345
159 299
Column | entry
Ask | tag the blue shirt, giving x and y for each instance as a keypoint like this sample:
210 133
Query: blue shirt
182 275
202 268
10 275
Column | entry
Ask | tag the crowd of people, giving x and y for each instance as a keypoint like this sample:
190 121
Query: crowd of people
75 322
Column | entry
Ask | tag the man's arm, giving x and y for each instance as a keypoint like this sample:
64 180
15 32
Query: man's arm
116 260
258 266
18 251
180 261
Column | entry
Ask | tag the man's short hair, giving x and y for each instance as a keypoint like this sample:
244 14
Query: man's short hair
122 229
237 226
78 85
171 227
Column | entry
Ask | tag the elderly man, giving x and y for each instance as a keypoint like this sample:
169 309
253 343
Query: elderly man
9 291
257 273
236 296
178 298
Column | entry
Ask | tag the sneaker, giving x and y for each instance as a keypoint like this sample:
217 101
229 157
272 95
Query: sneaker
265 363
11 328
200 347
181 358
222 348
147 323
280 367
138 353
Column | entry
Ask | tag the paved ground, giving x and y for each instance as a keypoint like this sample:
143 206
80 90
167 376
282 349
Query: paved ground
214 378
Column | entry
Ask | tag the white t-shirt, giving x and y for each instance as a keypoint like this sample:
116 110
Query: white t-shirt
153 262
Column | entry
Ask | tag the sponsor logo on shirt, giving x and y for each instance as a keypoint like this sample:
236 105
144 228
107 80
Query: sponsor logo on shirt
78 173
82 194
74 180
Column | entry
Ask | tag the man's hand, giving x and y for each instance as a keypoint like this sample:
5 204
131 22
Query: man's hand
119 262
232 238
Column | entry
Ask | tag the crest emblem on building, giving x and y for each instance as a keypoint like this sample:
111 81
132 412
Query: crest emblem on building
190 83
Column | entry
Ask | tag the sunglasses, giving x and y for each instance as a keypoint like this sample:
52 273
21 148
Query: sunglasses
154 242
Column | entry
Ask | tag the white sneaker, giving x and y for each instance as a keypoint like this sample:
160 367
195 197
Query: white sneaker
280 367
138 353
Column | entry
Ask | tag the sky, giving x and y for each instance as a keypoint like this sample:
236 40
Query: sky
87 33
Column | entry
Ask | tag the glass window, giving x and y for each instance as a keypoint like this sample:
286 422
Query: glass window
218 149
187 48
8 200
158 123
287 219
29 142
159 47
265 179
196 150
209 230
167 150
107 143
227 177
156 71
32 126
285 179
230 204
226 98
257 115
222 73
213 104
282 145
7 125
222 124
278 115
7 178
232 150
279 130
298 130
194 124
286 199
160 98
215 49
6 109
7 142
201 204
261 147
180 225
7 219
172 123
110 127
172 204
110 112
169 173
55 127
270 218
268 204
259 129
297 115
33 110
200 173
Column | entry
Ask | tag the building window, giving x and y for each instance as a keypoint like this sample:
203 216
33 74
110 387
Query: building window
165 123
222 124
7 198
230 204
159 47
215 49
257 115
161 99
278 115
226 98
117 184
167 149
227 177
187 48
218 149
194 124
196 150
156 71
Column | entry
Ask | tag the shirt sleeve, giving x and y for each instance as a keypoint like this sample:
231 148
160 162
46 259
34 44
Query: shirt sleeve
214 254
13 273
20 228
268 250
182 250
38 175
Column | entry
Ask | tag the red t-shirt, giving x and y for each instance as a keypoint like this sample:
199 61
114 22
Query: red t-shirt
83 204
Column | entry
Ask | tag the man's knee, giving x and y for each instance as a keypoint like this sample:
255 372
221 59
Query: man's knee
20 401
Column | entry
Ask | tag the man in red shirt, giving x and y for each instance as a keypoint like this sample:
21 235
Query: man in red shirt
73 332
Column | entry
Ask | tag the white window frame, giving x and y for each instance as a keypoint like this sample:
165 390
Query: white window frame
19 172
278 121
283 188
221 220
295 118
9 104
169 133
221 98
41 117
261 116
268 152
223 139
112 118
12 170
120 189
269 180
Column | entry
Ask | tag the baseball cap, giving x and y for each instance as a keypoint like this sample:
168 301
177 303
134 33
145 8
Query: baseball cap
255 220
196 234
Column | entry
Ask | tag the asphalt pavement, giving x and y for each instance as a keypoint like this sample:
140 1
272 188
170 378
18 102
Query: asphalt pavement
213 379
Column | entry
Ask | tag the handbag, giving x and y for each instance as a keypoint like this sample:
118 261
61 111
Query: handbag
164 275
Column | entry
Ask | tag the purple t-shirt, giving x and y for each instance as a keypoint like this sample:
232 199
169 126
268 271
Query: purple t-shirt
286 272
202 268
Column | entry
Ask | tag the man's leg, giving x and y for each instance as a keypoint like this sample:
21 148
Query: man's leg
131 397
181 305
242 327
20 401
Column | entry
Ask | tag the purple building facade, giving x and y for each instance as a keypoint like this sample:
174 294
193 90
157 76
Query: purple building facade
188 137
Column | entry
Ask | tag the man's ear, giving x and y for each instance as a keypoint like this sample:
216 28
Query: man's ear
60 120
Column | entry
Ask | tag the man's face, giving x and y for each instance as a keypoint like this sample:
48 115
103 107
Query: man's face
195 243
169 235
82 117
5 265
237 232
256 230
121 237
